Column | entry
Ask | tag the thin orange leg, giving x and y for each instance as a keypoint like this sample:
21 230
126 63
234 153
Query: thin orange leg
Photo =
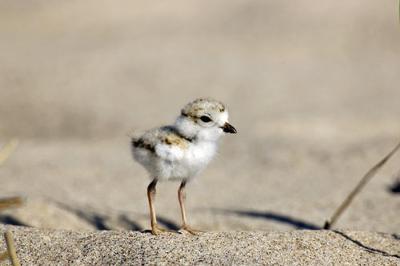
181 198
151 193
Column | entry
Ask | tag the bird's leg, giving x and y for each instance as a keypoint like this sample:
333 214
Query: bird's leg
151 193
181 198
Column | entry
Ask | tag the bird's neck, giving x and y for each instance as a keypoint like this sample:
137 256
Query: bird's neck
184 127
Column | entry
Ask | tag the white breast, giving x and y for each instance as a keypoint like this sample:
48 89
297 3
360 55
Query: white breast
198 156
194 159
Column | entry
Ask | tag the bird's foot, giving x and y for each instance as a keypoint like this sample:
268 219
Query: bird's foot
190 230
156 230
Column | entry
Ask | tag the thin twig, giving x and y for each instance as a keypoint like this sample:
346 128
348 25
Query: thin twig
7 150
11 249
371 173
10 202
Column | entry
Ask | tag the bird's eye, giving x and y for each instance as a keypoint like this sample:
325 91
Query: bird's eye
205 119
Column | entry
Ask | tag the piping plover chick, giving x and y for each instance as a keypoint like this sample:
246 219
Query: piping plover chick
180 151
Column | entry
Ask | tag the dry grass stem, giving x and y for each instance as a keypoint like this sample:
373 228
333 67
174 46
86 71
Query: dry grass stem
7 203
11 249
7 150
367 177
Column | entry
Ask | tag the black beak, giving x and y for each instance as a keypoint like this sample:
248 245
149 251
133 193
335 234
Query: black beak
228 128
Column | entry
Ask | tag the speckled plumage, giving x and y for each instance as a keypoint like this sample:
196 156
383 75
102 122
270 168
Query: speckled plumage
202 105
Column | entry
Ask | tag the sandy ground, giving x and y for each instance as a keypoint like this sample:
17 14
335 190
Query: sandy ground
313 89
46 247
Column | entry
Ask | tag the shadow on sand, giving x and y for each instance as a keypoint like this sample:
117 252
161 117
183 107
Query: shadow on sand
273 216
8 219
366 248
103 222
395 188
301 224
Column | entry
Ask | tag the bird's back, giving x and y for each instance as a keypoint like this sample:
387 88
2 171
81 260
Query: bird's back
161 151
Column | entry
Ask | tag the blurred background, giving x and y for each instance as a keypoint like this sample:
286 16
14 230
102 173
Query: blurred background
313 88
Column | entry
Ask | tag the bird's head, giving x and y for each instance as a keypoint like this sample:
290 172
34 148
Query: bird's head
204 119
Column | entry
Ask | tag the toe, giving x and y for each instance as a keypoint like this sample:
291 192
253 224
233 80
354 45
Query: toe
156 230
191 230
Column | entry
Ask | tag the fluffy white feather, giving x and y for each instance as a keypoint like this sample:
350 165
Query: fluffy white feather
182 150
